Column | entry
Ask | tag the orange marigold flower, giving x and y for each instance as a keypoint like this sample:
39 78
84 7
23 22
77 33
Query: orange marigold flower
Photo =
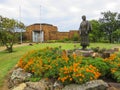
70 79
59 78
74 55
113 70
119 65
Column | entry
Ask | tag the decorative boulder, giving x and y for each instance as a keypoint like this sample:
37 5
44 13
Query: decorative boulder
35 86
20 87
91 85
18 76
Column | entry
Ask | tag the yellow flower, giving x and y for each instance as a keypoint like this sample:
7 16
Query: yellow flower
91 78
80 79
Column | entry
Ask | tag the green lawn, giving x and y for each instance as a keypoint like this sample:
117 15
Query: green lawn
8 60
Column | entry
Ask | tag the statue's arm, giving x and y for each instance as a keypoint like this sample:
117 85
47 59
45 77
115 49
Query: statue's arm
89 26
79 29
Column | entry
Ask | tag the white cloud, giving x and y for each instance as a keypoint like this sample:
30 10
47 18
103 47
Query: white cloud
74 9
65 14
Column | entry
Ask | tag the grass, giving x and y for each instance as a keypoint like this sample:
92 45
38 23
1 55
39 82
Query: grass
9 60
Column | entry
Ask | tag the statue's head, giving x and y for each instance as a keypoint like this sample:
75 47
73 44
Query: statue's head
84 17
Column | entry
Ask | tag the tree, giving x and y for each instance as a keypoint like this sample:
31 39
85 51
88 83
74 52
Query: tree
75 37
95 34
109 24
116 35
7 32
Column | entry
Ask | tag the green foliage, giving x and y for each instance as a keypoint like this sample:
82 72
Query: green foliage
109 23
116 35
116 75
75 37
98 62
106 29
95 34
114 63
7 32
54 63
98 49
65 40
7 64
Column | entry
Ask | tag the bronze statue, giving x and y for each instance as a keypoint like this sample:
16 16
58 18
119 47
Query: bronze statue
84 29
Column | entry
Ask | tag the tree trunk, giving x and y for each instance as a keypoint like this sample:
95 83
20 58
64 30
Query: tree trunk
10 49
110 38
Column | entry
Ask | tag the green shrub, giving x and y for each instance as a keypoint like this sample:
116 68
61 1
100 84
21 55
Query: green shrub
114 64
55 63
75 37
97 62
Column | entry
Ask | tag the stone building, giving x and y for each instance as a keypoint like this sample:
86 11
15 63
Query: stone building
44 32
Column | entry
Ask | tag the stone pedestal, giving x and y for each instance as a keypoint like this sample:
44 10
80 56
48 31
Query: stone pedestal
116 49
86 53
106 54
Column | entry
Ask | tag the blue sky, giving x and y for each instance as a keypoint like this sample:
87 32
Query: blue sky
65 14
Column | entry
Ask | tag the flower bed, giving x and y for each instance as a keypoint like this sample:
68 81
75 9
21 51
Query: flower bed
56 64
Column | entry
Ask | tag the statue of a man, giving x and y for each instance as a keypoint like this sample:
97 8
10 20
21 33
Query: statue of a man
84 29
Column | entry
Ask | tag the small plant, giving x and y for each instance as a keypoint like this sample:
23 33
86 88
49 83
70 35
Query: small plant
95 49
114 63
97 62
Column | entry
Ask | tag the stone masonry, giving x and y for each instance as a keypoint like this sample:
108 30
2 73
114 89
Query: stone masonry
50 32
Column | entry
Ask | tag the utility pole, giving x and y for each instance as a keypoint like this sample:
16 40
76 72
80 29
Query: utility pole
40 27
19 23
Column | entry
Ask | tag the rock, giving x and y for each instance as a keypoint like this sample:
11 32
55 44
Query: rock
116 49
20 87
91 85
47 82
95 55
96 85
114 85
78 53
43 84
86 53
112 88
18 76
73 87
69 52
35 86
57 85
106 55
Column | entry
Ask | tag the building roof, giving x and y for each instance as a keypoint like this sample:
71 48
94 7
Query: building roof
42 24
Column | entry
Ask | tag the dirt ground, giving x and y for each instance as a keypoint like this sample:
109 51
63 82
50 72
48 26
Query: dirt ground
17 45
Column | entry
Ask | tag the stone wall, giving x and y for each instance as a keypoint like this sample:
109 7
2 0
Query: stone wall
53 35
50 32
58 35
62 35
